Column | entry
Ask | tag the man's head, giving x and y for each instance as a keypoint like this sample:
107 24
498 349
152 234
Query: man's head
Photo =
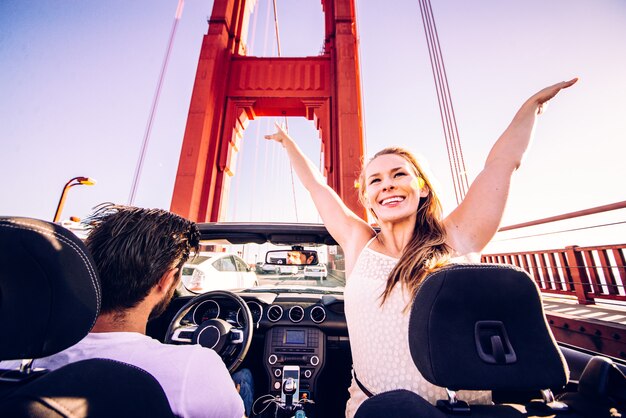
134 249
301 257
294 257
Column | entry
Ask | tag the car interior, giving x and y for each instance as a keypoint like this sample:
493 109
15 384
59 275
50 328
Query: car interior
292 337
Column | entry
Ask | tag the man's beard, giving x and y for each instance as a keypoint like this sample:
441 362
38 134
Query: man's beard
160 307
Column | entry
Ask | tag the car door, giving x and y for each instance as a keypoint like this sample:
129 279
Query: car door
228 276
247 277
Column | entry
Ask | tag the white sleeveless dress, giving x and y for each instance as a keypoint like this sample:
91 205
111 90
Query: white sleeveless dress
379 336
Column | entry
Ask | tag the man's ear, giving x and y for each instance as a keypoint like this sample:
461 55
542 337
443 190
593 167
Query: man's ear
167 280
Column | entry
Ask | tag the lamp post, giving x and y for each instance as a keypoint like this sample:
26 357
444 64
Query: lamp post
76 181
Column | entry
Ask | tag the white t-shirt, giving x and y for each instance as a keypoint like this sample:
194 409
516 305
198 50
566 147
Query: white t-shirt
194 378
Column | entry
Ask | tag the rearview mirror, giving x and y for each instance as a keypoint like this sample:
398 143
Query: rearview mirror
292 257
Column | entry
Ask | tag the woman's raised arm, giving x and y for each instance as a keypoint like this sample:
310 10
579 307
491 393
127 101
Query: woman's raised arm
476 220
343 224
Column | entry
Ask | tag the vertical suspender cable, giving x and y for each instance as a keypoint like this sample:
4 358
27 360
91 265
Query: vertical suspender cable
252 38
463 173
439 98
239 164
444 97
155 102
276 27
249 47
456 144
293 186
264 172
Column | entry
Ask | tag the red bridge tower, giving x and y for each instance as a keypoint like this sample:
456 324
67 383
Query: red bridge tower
231 88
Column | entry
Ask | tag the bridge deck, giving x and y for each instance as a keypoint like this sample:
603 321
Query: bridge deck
600 327
609 312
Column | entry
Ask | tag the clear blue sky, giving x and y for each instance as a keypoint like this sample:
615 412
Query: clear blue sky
77 81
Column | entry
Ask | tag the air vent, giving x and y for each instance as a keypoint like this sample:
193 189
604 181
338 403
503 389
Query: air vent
274 313
296 313
318 314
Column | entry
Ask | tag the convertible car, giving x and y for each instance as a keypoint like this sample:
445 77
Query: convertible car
291 333
298 323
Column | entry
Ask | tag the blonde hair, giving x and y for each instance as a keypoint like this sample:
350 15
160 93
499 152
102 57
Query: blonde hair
427 250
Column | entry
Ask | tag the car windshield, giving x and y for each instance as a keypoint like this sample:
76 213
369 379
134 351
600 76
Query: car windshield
227 262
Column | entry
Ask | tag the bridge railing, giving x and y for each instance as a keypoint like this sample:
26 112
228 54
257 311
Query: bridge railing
588 273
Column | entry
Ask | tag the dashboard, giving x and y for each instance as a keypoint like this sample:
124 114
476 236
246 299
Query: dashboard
223 309
291 329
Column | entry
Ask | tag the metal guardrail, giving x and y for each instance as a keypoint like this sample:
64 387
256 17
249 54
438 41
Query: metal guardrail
588 273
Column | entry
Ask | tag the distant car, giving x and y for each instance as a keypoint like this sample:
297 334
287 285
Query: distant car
288 269
217 271
277 269
268 269
318 271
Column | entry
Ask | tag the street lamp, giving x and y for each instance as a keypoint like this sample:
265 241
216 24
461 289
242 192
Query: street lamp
73 182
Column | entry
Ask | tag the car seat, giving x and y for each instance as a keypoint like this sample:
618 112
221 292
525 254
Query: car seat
482 327
49 300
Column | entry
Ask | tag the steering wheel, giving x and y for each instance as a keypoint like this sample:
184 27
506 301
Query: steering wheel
230 342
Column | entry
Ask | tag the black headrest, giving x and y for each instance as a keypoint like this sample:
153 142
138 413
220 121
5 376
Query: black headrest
49 288
91 388
481 327
399 403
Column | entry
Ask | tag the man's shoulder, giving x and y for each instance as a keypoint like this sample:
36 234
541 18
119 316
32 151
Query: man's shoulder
133 342
151 345
195 351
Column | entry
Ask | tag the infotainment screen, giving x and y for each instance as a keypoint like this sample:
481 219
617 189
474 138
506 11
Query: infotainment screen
295 336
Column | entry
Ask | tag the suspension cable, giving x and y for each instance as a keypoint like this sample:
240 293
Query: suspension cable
456 144
276 27
463 172
293 186
155 102
266 153
252 37
439 99
444 98
249 50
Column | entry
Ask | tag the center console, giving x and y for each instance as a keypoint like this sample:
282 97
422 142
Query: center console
294 346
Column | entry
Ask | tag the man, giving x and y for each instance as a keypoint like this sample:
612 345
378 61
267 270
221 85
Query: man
139 254
300 257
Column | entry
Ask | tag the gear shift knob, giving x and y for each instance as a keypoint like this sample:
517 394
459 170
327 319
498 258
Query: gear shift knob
289 386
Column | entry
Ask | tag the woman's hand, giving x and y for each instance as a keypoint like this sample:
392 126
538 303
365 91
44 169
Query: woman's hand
542 97
280 135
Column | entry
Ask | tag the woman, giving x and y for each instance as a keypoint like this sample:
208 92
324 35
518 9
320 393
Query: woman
384 270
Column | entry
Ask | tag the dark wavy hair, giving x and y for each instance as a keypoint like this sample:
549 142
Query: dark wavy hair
134 247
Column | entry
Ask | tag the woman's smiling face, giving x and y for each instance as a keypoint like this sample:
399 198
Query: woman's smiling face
393 188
